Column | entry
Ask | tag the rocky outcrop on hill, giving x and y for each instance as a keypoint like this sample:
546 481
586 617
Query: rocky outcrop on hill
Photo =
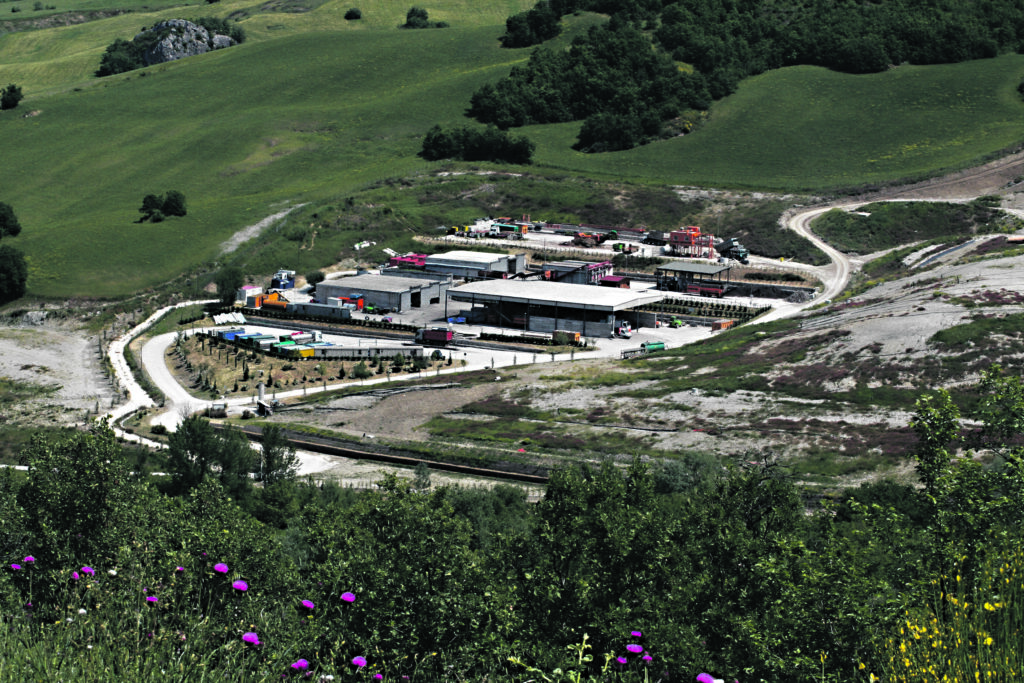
178 38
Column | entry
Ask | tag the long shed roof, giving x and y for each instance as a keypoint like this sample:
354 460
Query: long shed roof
696 268
553 293
460 258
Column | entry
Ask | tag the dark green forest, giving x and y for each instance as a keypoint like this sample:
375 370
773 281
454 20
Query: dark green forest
630 79
638 571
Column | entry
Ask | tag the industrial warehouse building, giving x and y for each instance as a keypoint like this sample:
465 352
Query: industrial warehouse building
396 293
537 306
475 265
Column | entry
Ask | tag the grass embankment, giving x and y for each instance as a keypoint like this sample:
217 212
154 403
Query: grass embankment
884 225
307 110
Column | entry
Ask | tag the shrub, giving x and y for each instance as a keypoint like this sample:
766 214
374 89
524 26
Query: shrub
353 14
360 371
13 273
10 96
9 224
174 204
416 17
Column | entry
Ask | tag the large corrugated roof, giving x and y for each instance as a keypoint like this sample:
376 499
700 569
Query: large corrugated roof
377 283
551 293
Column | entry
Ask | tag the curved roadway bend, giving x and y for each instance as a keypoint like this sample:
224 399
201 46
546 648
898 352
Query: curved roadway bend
137 397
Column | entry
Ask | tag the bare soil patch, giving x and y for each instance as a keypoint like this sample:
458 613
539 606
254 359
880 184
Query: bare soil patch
53 354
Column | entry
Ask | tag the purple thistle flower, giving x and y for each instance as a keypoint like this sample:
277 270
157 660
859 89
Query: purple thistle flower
705 678
179 569
636 634
89 570
301 665
635 649
15 567
74 575
151 598
647 658
240 586
621 660
348 597
29 560
220 567
378 677
251 638
359 661
308 604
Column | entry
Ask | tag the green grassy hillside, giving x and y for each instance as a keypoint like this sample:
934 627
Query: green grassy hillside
238 131
314 107
807 128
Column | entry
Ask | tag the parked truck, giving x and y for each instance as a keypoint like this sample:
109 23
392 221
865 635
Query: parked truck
731 248
434 336
657 238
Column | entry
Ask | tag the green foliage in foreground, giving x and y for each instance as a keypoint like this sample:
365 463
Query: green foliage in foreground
717 571
889 224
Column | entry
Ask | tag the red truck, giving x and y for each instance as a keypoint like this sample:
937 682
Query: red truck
434 336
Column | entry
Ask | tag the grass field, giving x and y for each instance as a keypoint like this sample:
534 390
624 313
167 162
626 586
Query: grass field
807 128
313 108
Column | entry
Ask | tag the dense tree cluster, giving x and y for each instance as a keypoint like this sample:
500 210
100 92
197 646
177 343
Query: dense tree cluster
127 55
13 267
611 75
13 273
156 207
532 27
417 17
10 226
723 43
476 144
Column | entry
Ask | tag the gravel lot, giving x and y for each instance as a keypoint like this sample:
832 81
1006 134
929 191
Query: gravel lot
54 354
